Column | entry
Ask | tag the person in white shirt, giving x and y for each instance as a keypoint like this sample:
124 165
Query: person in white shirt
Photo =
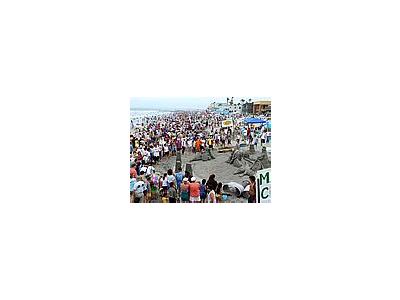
143 169
156 153
150 170
138 190
211 197
146 157
263 138
170 177
166 150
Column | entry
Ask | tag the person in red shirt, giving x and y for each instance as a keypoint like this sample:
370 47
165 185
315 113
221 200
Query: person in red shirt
194 188
133 172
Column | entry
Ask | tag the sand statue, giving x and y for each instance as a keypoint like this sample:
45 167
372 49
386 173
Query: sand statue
204 156
178 165
210 154
240 159
237 163
240 170
197 156
262 162
233 156
189 168
237 156
248 172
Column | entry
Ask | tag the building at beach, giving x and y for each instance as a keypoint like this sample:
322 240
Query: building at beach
228 107
262 106
242 106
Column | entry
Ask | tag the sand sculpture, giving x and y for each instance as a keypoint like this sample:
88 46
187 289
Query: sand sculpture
247 165
204 156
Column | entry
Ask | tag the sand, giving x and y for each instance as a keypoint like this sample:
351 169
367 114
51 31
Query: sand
203 169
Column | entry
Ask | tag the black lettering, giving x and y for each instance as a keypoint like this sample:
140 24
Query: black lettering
265 177
265 190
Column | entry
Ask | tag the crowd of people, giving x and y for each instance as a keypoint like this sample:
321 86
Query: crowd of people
179 187
160 137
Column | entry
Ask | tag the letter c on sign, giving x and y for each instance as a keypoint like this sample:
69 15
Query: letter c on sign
265 190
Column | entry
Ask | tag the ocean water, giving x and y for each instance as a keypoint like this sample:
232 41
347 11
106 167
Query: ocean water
138 116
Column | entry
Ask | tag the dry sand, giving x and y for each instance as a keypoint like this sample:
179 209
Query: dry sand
203 169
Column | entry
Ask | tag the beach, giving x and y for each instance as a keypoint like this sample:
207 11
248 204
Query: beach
205 145
218 166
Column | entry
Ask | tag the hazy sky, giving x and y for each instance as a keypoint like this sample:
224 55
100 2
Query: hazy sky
180 102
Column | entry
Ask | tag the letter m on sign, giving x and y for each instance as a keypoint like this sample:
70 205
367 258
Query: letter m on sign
263 184
264 177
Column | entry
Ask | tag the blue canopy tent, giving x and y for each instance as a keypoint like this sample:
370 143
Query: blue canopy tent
254 121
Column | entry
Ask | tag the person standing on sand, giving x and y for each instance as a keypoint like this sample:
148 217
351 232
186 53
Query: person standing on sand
211 197
172 194
185 190
190 144
132 184
203 191
198 145
165 185
166 150
179 144
263 138
133 171
155 192
179 177
219 192
209 142
170 177
194 188
183 145
138 190
211 183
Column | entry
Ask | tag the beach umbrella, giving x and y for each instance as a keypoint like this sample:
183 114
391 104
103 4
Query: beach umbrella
254 121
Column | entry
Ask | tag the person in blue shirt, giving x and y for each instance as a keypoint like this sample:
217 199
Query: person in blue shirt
179 178
132 184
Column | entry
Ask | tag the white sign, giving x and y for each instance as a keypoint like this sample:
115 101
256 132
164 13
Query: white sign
227 123
263 186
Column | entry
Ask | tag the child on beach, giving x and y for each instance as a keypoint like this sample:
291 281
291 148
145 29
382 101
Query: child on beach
211 197
155 192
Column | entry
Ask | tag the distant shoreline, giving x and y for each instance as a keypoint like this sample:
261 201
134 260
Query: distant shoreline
149 109
163 110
